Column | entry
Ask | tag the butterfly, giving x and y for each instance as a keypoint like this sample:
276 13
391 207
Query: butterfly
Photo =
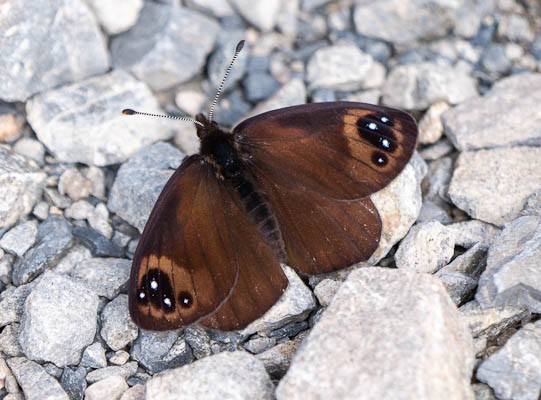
287 186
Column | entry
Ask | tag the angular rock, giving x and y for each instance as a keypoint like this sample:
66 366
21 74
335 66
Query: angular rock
74 184
164 38
259 344
137 392
325 291
53 241
221 58
12 303
73 382
36 383
493 185
512 276
294 305
116 16
30 148
90 112
125 371
118 329
259 86
198 340
384 317
94 356
20 238
467 234
150 349
278 358
292 93
59 320
140 180
339 67
9 341
75 255
120 358
505 116
263 14
437 150
22 184
231 375
105 276
46 45
513 371
418 86
108 389
399 204
431 126
98 244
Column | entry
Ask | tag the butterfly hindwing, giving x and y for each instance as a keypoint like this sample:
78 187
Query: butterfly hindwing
343 150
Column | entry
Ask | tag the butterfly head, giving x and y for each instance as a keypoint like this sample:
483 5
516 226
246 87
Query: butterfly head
205 127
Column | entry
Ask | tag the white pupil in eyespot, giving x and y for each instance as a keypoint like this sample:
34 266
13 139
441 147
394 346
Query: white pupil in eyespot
385 143
372 126
142 295
167 302
384 120
154 285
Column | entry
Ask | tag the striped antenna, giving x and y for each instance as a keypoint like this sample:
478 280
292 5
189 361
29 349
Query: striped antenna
129 111
239 47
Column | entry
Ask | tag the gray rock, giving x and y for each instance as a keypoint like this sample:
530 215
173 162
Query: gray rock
460 277
150 349
12 303
290 330
436 182
513 276
339 67
278 358
491 322
74 184
384 317
263 14
136 392
231 109
218 8
74 383
505 116
81 209
259 86
259 344
9 341
94 356
431 126
513 371
164 38
533 204
123 371
495 60
62 44
198 340
292 93
118 329
483 392
430 211
91 110
22 184
235 375
467 234
418 86
516 28
293 306
120 358
36 383
75 255
108 389
105 276
30 148
116 16
20 238
437 150
53 241
41 210
325 291
96 177
222 56
493 185
140 180
98 244
427 248
399 204
59 320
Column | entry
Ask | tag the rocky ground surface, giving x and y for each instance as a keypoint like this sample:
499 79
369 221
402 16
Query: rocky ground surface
449 307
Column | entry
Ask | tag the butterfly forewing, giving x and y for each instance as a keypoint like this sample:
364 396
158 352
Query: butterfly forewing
343 150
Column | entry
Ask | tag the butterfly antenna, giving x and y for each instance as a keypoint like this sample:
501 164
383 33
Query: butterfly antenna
239 47
129 111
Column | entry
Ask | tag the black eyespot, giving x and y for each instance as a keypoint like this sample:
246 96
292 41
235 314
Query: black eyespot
378 135
185 299
379 159
156 287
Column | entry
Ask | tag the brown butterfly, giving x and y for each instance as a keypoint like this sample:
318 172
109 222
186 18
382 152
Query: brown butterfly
286 186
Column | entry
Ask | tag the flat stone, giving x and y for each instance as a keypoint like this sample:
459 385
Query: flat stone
105 276
325 291
290 94
54 238
164 38
512 276
116 16
493 185
294 305
504 116
118 329
384 317
437 150
91 109
259 344
231 375
20 238
140 181
98 244
59 320
399 204
513 371
22 184
339 67
418 86
262 14
108 389
35 382
48 44
124 371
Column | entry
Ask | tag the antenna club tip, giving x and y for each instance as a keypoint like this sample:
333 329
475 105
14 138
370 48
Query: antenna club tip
240 45
128 111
